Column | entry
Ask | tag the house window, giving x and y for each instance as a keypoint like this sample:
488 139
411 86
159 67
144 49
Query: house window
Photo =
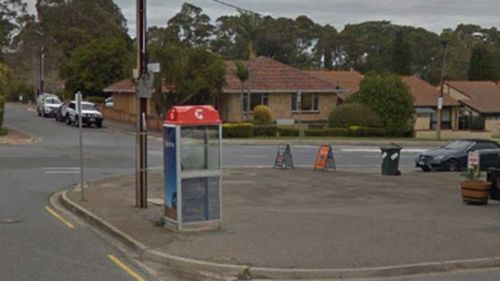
445 119
249 103
310 102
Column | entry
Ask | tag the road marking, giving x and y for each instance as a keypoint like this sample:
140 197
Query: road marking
61 170
125 268
411 150
57 216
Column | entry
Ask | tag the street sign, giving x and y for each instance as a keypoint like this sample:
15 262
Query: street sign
325 160
473 160
440 103
154 67
284 159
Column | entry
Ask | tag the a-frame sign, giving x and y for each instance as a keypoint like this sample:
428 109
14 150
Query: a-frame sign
325 160
284 159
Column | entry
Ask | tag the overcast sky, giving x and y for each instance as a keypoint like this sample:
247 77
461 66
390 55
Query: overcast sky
430 14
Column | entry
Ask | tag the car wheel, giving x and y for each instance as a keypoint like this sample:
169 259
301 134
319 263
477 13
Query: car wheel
76 123
426 168
38 111
68 120
452 165
98 124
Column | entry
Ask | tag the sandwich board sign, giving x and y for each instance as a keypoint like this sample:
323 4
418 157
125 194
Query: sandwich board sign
284 159
325 160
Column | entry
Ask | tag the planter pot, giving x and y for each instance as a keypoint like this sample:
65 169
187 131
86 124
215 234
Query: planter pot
475 191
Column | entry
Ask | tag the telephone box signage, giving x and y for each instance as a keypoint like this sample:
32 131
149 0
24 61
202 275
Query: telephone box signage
325 160
170 172
284 159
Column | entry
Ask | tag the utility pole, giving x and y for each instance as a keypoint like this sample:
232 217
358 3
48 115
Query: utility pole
440 99
141 176
42 62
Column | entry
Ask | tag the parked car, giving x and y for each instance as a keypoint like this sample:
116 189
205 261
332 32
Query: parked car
90 114
453 156
46 104
109 102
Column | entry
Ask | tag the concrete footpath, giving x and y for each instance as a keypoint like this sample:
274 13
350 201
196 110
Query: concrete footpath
306 224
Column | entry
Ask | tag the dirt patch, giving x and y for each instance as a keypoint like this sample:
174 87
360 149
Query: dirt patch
14 136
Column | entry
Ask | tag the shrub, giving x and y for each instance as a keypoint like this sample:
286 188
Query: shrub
288 132
96 99
237 130
477 123
391 98
265 130
354 114
2 109
262 115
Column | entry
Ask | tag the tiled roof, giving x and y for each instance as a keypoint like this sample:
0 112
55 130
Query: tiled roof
484 96
127 86
425 94
268 75
348 80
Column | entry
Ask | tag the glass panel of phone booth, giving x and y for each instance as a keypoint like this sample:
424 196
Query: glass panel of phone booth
200 148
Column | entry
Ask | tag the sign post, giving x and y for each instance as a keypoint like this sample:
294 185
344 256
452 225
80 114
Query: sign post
325 159
78 99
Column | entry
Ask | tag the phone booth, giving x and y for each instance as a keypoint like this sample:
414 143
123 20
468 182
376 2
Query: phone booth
192 168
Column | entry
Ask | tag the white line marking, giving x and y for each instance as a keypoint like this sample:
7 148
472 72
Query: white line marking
410 150
61 168
62 172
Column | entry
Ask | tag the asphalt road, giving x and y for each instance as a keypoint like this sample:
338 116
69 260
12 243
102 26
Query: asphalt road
37 246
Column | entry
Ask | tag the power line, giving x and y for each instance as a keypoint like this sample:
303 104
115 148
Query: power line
239 9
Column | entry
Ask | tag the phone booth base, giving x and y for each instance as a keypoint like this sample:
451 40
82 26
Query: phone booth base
192 168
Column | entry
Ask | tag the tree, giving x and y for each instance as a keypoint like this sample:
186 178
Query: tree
391 98
401 55
191 26
13 13
242 73
4 73
482 64
326 47
96 65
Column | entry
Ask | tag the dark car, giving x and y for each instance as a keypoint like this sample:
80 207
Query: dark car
453 156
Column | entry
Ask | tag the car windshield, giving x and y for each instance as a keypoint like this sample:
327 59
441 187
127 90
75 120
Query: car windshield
86 106
458 145
52 101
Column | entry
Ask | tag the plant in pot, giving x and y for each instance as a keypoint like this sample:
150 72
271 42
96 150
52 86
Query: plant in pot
475 190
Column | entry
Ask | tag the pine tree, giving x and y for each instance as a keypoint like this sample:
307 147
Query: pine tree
401 55
481 66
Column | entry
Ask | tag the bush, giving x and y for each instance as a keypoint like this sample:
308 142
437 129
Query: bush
262 115
391 98
265 130
237 130
96 99
354 114
2 109
336 132
288 132
315 133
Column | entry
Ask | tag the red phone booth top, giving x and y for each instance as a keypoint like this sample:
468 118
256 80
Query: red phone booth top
193 115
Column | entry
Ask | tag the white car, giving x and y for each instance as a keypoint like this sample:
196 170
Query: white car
90 114
46 104
109 102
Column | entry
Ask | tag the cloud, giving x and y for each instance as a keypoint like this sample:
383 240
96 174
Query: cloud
430 14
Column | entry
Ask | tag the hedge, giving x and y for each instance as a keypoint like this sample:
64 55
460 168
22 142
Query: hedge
288 132
265 130
354 114
2 109
358 131
237 130
353 131
262 115
96 99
